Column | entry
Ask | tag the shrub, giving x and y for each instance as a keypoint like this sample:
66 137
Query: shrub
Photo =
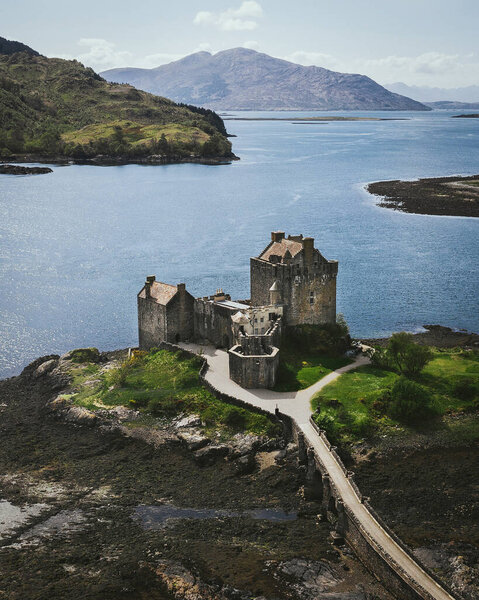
82 355
464 389
409 401
235 418
163 407
380 358
118 377
407 357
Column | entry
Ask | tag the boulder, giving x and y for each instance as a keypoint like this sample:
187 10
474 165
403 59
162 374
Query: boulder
82 355
44 368
245 464
80 416
193 439
188 421
210 454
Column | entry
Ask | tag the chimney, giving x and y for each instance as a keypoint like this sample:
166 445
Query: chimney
308 247
277 236
181 287
148 283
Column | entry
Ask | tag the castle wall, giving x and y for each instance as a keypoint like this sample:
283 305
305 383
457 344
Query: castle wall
255 371
180 318
151 323
212 323
308 292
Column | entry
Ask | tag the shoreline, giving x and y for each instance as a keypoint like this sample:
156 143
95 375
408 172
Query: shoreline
111 161
453 196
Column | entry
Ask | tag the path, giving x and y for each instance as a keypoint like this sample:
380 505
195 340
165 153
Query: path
297 406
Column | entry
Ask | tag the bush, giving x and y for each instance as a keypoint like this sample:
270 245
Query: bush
235 418
163 407
409 401
83 355
407 357
464 389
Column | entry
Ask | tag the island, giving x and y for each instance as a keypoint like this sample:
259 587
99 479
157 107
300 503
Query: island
18 170
446 196
466 116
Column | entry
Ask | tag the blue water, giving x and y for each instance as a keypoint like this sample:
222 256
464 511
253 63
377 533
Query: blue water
76 244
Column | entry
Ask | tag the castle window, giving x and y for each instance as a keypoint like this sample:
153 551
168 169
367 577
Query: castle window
311 297
262 320
256 331
271 317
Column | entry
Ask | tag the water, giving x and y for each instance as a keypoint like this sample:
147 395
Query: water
157 517
76 244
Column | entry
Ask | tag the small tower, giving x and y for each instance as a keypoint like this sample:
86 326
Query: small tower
275 293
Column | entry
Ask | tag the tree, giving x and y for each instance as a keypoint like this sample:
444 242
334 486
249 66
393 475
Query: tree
406 356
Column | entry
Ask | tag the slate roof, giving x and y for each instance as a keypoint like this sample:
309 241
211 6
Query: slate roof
161 292
280 248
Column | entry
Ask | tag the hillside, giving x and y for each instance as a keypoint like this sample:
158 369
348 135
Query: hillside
431 95
56 107
242 79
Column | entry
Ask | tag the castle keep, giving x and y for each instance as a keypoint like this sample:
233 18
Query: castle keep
291 284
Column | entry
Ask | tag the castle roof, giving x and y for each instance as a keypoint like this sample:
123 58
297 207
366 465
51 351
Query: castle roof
240 318
275 287
161 292
281 248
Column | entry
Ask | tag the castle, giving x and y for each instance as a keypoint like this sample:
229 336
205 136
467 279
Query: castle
291 284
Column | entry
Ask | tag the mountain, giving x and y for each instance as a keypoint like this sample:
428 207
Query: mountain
51 106
453 105
11 47
243 79
436 94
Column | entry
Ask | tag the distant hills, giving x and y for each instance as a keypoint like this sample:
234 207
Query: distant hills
469 94
243 79
56 107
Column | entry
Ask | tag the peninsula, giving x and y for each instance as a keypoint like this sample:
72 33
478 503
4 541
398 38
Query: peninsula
447 196
56 110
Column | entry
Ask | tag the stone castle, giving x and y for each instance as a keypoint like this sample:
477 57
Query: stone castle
291 284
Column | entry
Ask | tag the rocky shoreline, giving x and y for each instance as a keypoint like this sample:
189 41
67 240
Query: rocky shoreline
81 492
446 196
437 336
111 161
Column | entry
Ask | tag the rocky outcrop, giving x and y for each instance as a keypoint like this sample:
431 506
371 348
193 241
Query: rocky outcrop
18 170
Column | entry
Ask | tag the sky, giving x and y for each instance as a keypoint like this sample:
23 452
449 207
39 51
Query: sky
418 42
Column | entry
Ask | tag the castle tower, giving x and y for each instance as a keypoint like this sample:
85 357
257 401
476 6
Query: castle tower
291 271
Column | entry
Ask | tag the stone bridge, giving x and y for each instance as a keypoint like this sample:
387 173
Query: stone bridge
329 482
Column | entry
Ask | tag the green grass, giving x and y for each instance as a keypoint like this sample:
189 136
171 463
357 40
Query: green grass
298 371
162 384
351 407
136 133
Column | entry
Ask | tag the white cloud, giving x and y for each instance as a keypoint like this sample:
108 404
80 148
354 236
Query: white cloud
243 18
102 54
429 68
251 44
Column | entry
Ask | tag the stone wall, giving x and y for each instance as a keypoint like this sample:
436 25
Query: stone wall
151 323
180 317
253 371
212 323
308 292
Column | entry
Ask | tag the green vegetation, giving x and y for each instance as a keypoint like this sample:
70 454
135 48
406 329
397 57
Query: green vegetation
309 352
162 384
372 400
56 107
402 354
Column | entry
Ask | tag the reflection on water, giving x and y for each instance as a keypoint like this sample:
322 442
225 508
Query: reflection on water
156 517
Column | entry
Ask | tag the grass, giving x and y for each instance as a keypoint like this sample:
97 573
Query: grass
351 407
136 133
299 370
163 385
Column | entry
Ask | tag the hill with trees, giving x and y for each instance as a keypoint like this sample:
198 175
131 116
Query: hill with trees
51 107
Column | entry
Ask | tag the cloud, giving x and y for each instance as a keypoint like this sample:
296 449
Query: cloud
102 54
251 44
243 18
429 68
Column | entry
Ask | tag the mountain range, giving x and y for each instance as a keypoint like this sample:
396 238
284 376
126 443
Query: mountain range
243 79
469 94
